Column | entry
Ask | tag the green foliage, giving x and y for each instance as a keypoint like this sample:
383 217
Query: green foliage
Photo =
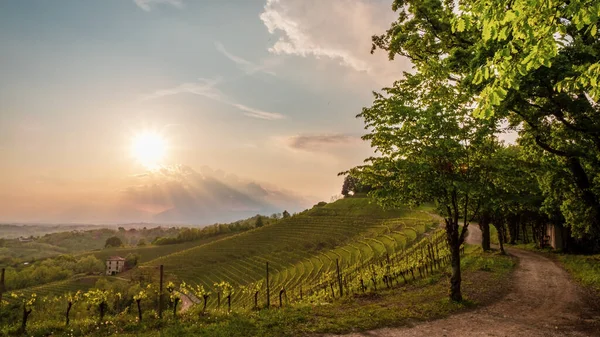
50 270
113 241
259 222
535 64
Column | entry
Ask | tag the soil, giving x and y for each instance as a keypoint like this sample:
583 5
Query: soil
542 301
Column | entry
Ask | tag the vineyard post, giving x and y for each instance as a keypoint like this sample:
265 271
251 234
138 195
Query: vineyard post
337 265
1 286
268 292
160 293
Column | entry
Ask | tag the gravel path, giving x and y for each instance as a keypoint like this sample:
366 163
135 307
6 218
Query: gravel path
543 302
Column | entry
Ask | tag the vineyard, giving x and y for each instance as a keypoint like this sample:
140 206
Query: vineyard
300 250
348 247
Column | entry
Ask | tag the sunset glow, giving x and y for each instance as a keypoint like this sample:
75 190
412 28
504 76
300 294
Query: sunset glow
149 149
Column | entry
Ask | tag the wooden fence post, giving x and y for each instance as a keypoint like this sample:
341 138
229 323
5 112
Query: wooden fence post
268 292
2 287
337 265
160 293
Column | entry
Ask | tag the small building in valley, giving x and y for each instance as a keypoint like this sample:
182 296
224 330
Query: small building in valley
114 265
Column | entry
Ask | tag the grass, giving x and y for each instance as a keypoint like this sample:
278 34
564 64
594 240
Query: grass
585 269
484 280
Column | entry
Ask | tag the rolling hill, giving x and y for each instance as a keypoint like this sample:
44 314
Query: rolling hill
301 248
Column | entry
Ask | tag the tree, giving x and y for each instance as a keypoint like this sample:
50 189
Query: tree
430 149
349 185
354 185
141 243
534 63
286 214
131 260
259 222
113 241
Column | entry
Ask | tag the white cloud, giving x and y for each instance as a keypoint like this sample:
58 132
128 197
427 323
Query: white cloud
148 4
339 30
247 66
207 88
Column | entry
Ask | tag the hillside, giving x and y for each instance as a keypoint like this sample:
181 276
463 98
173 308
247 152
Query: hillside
299 249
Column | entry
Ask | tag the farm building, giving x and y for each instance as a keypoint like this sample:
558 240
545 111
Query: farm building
114 265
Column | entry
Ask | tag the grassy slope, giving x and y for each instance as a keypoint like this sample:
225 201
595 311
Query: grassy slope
584 268
298 249
151 252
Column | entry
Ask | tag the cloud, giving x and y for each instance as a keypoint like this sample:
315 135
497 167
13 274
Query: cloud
248 67
339 30
206 88
205 196
148 4
315 143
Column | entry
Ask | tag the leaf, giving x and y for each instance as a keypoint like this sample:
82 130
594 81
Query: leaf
509 16
460 25
594 30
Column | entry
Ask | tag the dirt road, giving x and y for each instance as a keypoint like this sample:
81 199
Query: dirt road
543 302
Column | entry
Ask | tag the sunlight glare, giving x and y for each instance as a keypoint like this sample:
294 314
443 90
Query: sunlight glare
149 149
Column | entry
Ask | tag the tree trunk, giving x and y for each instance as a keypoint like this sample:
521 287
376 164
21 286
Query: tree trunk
454 244
455 279
205 300
139 309
69 305
484 225
513 228
500 230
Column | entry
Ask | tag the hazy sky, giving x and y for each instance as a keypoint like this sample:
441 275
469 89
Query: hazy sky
265 90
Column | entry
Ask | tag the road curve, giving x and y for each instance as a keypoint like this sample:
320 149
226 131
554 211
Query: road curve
543 302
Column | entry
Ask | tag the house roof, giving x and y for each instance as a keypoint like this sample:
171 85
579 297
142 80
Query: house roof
115 258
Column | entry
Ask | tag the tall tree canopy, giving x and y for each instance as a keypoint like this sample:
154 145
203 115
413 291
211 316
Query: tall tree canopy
533 63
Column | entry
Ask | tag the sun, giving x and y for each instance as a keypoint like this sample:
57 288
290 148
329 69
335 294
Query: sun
149 149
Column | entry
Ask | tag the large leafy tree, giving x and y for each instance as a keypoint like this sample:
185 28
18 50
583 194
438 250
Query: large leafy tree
535 63
430 149
541 70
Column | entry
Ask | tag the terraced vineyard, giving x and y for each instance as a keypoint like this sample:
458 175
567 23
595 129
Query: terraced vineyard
299 249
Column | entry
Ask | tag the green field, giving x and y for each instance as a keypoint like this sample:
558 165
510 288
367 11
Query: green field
72 285
299 249
151 252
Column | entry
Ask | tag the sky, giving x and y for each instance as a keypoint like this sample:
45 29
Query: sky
253 98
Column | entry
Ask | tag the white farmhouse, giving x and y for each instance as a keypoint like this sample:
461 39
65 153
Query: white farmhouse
114 265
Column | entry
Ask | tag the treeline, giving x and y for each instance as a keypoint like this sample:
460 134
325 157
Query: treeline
192 234
51 270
